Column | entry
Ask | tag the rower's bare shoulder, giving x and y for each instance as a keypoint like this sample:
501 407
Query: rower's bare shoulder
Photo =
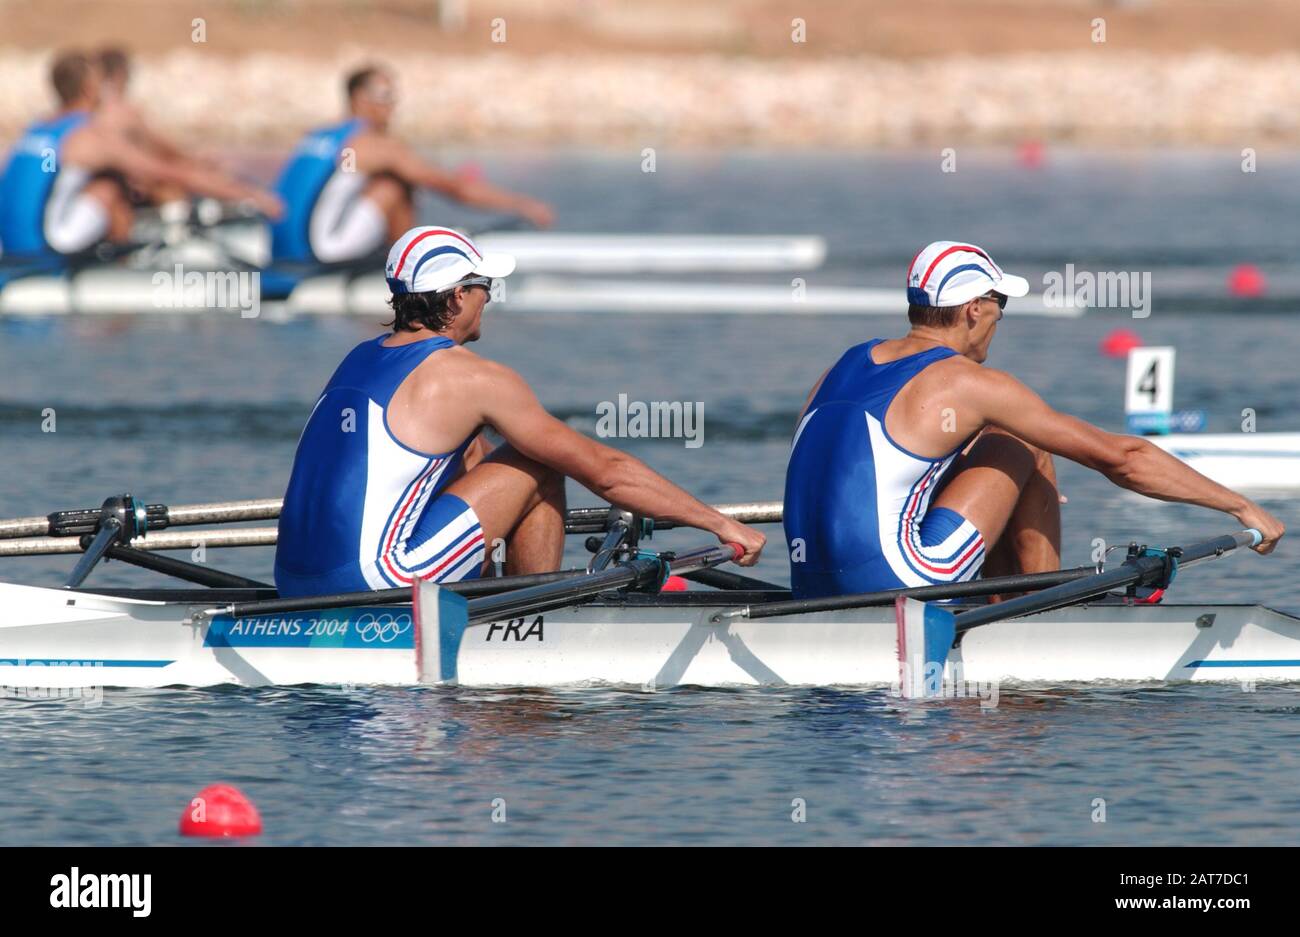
377 152
119 116
963 375
483 374
366 148
91 145
955 372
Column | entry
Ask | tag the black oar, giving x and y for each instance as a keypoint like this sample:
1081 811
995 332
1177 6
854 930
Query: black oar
509 593
314 603
926 633
644 572
443 617
1023 582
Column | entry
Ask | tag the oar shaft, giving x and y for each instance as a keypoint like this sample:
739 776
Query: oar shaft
1217 546
639 572
546 597
158 540
577 520
1137 571
594 520
467 587
183 515
17 527
955 590
224 512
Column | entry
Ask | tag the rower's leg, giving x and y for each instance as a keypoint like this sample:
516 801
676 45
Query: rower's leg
1031 541
537 543
1007 489
519 502
395 200
100 211
165 192
112 195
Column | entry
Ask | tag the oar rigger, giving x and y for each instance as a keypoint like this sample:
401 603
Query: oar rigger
133 517
927 633
121 519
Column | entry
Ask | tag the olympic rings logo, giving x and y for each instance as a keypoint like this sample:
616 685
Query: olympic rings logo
384 629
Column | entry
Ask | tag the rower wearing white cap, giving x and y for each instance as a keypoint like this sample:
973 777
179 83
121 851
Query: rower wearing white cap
392 481
913 465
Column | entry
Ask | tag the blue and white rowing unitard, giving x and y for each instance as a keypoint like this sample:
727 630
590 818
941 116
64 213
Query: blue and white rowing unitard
857 515
363 511
27 183
312 169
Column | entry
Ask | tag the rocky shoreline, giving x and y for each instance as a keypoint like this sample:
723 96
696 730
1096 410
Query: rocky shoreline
1126 99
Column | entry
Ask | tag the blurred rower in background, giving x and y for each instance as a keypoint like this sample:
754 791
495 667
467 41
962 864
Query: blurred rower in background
64 187
118 113
349 188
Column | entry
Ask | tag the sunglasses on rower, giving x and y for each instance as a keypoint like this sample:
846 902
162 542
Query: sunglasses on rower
999 298
484 282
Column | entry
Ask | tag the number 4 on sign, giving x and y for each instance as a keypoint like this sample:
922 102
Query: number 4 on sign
1150 383
1149 396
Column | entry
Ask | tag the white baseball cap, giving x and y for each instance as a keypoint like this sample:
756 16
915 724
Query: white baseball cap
432 259
949 273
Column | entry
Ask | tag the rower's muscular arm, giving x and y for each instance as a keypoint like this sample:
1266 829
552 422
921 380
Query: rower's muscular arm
511 407
132 121
162 147
405 163
1129 461
116 152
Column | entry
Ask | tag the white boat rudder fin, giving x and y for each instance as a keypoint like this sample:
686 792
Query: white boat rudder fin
925 636
441 618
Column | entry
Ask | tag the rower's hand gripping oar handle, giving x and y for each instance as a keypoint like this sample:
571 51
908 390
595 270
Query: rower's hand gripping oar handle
737 549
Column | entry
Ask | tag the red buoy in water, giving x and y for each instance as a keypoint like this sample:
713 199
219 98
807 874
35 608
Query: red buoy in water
1119 342
1031 154
1246 282
673 584
220 810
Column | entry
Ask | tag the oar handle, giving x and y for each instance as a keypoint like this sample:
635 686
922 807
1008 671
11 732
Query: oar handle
1217 546
705 558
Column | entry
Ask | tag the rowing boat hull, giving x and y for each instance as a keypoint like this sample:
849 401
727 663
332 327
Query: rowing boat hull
118 291
53 638
602 253
1241 461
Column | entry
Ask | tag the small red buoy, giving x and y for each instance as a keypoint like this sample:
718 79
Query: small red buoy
673 584
1119 342
1031 154
220 810
1246 282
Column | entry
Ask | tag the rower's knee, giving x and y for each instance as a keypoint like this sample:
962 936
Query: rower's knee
387 191
1014 452
1005 451
107 190
1046 463
548 481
